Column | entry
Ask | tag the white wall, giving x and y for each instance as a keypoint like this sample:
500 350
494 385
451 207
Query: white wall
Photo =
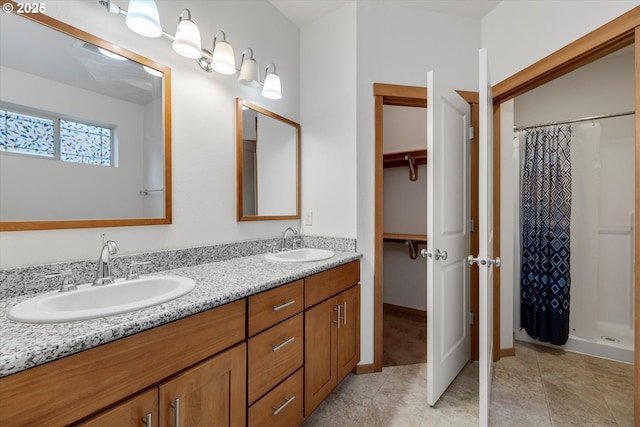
203 107
342 55
518 34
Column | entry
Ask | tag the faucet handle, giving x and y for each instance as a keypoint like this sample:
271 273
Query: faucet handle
134 271
297 243
67 281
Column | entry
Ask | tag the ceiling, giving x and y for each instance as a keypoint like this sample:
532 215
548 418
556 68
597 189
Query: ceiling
302 12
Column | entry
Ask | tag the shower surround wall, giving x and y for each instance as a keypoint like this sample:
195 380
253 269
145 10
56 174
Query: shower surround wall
602 281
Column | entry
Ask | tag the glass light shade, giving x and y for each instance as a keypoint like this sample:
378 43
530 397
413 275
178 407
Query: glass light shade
152 71
187 41
223 61
111 55
271 87
142 18
249 75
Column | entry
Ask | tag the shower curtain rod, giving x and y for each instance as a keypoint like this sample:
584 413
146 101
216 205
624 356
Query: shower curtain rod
584 119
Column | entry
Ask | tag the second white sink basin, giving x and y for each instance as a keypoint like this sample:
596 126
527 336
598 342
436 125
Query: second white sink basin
300 255
90 302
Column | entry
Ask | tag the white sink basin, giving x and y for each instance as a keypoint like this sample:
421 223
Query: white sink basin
90 302
300 255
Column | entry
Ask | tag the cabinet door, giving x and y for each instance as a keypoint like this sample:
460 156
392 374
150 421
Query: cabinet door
212 393
320 355
349 331
140 410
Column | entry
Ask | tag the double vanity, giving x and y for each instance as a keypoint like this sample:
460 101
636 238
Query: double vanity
256 342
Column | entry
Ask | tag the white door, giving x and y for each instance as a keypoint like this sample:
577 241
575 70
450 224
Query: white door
485 228
448 118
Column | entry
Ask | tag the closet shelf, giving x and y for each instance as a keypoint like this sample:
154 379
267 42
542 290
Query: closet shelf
406 158
402 237
411 240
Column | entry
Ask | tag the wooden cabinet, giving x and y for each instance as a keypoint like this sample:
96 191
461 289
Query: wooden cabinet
275 356
140 410
75 387
211 393
282 406
332 332
259 361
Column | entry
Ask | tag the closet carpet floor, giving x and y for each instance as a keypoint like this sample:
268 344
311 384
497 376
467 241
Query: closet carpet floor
404 337
537 387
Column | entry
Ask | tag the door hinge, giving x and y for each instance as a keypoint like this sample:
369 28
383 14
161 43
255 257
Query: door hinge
472 132
472 225
471 317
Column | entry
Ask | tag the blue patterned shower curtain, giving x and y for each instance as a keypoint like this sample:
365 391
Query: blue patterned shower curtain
545 210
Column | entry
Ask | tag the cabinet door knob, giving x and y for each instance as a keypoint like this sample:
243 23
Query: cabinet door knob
176 416
344 315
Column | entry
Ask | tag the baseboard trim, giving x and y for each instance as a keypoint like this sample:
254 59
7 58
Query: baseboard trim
507 352
409 310
364 369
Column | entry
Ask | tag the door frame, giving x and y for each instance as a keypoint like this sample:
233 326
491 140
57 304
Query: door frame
616 34
414 96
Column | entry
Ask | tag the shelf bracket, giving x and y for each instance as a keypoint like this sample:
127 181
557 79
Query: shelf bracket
413 254
413 172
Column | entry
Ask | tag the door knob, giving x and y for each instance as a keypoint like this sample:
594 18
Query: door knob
437 254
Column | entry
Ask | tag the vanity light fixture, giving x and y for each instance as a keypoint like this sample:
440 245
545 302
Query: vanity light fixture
187 39
152 71
249 74
271 88
143 18
111 55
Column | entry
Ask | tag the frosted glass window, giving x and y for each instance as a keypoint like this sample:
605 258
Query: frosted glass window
57 138
82 143
21 133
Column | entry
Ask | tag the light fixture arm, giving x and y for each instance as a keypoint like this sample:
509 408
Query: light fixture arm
180 18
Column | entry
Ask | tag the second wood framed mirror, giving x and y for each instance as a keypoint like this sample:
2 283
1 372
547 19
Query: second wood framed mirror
267 164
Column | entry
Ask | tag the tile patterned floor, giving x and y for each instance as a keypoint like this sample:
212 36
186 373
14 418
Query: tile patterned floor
537 387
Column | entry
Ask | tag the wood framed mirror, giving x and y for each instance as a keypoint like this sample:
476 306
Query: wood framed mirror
267 164
99 120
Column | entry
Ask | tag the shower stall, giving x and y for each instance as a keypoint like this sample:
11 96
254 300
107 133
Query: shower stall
602 230
602 238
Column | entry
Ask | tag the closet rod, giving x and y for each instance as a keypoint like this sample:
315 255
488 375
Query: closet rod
584 119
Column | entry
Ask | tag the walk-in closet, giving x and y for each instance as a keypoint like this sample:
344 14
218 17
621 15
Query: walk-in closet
404 235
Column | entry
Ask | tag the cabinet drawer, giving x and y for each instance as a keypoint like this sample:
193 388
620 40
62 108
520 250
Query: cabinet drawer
273 355
328 283
273 306
281 407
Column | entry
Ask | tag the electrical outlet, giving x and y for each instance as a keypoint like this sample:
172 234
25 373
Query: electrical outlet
308 218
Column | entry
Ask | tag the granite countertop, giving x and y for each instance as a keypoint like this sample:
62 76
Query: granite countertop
24 346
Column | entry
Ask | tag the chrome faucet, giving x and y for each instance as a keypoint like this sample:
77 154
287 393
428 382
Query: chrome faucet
283 242
103 275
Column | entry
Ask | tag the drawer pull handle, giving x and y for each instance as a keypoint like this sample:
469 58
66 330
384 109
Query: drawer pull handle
147 420
285 342
284 405
281 306
176 418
